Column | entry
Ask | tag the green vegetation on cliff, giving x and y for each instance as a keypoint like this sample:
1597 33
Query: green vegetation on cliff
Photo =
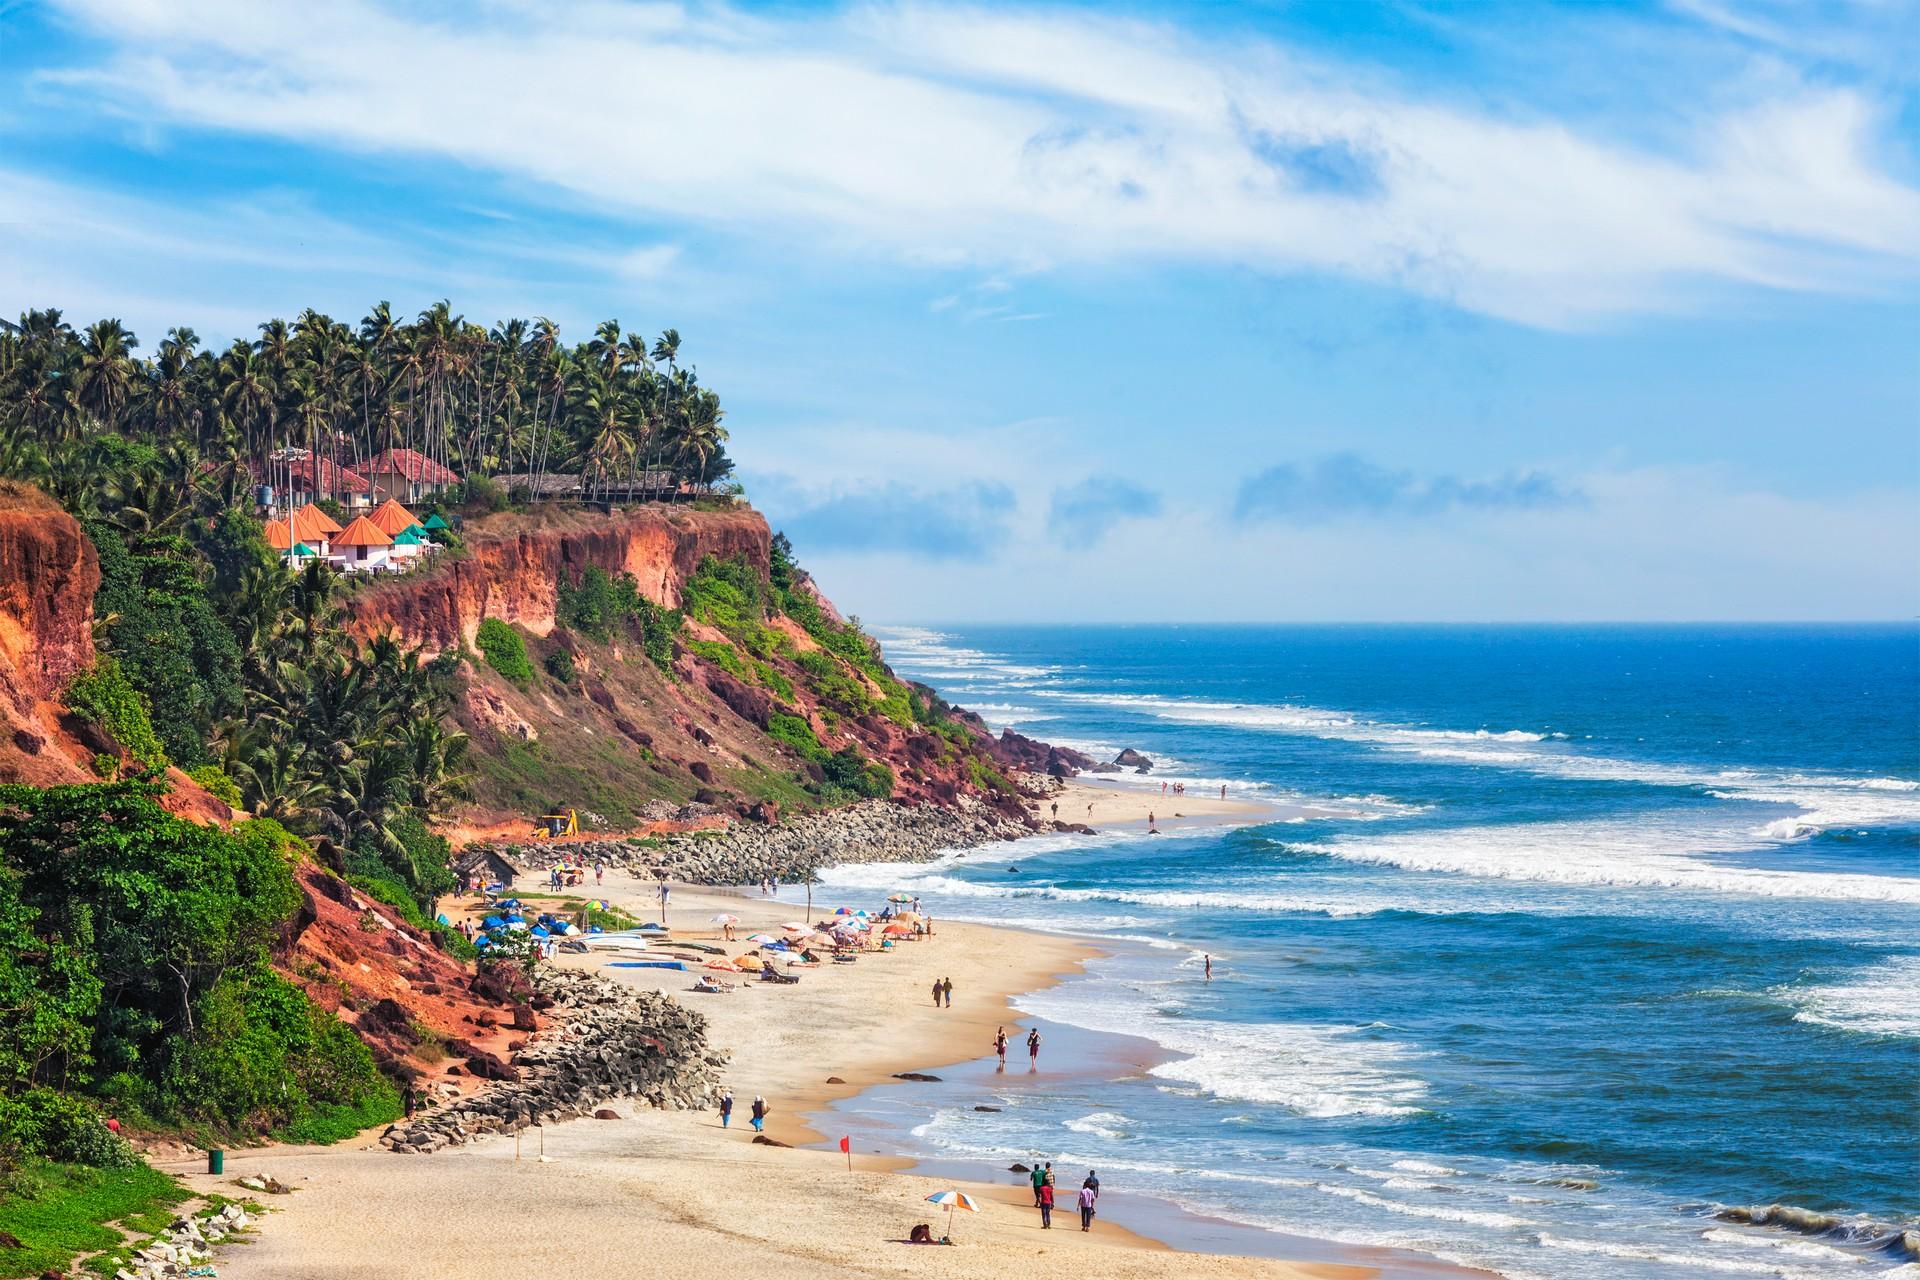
134 952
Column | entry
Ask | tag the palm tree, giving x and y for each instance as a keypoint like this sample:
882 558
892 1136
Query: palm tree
105 370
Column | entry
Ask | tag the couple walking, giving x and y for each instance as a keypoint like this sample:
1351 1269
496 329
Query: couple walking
1043 1196
760 1109
1033 1046
943 993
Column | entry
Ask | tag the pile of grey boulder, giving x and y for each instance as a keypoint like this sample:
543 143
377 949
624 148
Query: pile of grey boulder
875 831
604 1041
186 1247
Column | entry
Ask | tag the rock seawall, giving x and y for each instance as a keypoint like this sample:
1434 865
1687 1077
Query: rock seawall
609 1042
877 831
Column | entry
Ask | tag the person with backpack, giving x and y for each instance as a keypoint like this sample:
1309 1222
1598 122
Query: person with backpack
760 1109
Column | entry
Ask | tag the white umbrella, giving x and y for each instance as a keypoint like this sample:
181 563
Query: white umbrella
724 918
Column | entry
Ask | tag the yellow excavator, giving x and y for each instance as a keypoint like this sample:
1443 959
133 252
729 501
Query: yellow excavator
554 825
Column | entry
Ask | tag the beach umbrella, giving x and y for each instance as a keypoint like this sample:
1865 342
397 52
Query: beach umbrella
724 918
794 926
761 938
843 911
749 962
897 930
907 917
952 1200
899 897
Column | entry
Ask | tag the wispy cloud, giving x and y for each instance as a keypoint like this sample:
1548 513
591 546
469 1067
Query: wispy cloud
1347 485
1081 515
960 522
942 133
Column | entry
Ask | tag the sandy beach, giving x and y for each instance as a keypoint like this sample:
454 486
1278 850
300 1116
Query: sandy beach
675 1192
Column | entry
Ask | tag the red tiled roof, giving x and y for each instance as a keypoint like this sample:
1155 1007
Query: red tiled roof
362 533
276 531
417 467
332 478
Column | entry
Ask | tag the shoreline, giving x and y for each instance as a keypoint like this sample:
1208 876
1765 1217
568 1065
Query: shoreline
677 1188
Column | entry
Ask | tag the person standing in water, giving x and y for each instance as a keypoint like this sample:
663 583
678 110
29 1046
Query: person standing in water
1033 1048
1209 964
1153 828
1000 1045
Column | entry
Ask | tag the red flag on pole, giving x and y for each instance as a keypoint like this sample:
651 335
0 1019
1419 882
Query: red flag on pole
846 1149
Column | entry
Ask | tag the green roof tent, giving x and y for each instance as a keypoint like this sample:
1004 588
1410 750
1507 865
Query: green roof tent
434 523
411 536
419 529
301 549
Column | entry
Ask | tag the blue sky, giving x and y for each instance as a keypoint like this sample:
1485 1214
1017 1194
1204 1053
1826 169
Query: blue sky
1187 311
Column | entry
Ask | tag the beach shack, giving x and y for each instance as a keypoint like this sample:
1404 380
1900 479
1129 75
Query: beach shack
407 475
488 864
362 547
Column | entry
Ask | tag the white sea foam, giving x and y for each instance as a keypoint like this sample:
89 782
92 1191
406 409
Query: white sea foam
1110 1125
1881 999
1651 852
1829 799
1703 1261
1441 1213
1793 1248
1323 1071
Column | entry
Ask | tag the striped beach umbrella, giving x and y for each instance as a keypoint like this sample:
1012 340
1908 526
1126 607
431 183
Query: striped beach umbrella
952 1200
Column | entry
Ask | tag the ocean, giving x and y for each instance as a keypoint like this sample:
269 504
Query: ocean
1571 938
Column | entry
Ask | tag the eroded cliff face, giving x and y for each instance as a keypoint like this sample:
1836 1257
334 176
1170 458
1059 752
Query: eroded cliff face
48 575
49 572
512 568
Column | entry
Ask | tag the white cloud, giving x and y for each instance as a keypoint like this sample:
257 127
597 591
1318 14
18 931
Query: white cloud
1010 139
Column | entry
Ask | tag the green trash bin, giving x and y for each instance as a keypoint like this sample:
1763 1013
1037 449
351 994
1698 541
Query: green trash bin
216 1162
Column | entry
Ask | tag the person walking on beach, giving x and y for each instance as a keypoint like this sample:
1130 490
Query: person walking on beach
1038 1177
1046 1207
726 1108
1000 1046
1223 791
937 989
1153 828
599 872
946 987
1033 1048
1056 811
1046 1176
760 1109
1089 1193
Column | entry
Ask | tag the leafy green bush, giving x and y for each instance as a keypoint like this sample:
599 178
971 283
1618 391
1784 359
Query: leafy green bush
61 1127
721 655
598 604
160 623
263 1055
792 731
504 650
217 784
848 770
559 665
773 680
832 683
104 696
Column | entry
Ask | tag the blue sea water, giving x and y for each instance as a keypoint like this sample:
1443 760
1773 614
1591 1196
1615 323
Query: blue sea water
1576 936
